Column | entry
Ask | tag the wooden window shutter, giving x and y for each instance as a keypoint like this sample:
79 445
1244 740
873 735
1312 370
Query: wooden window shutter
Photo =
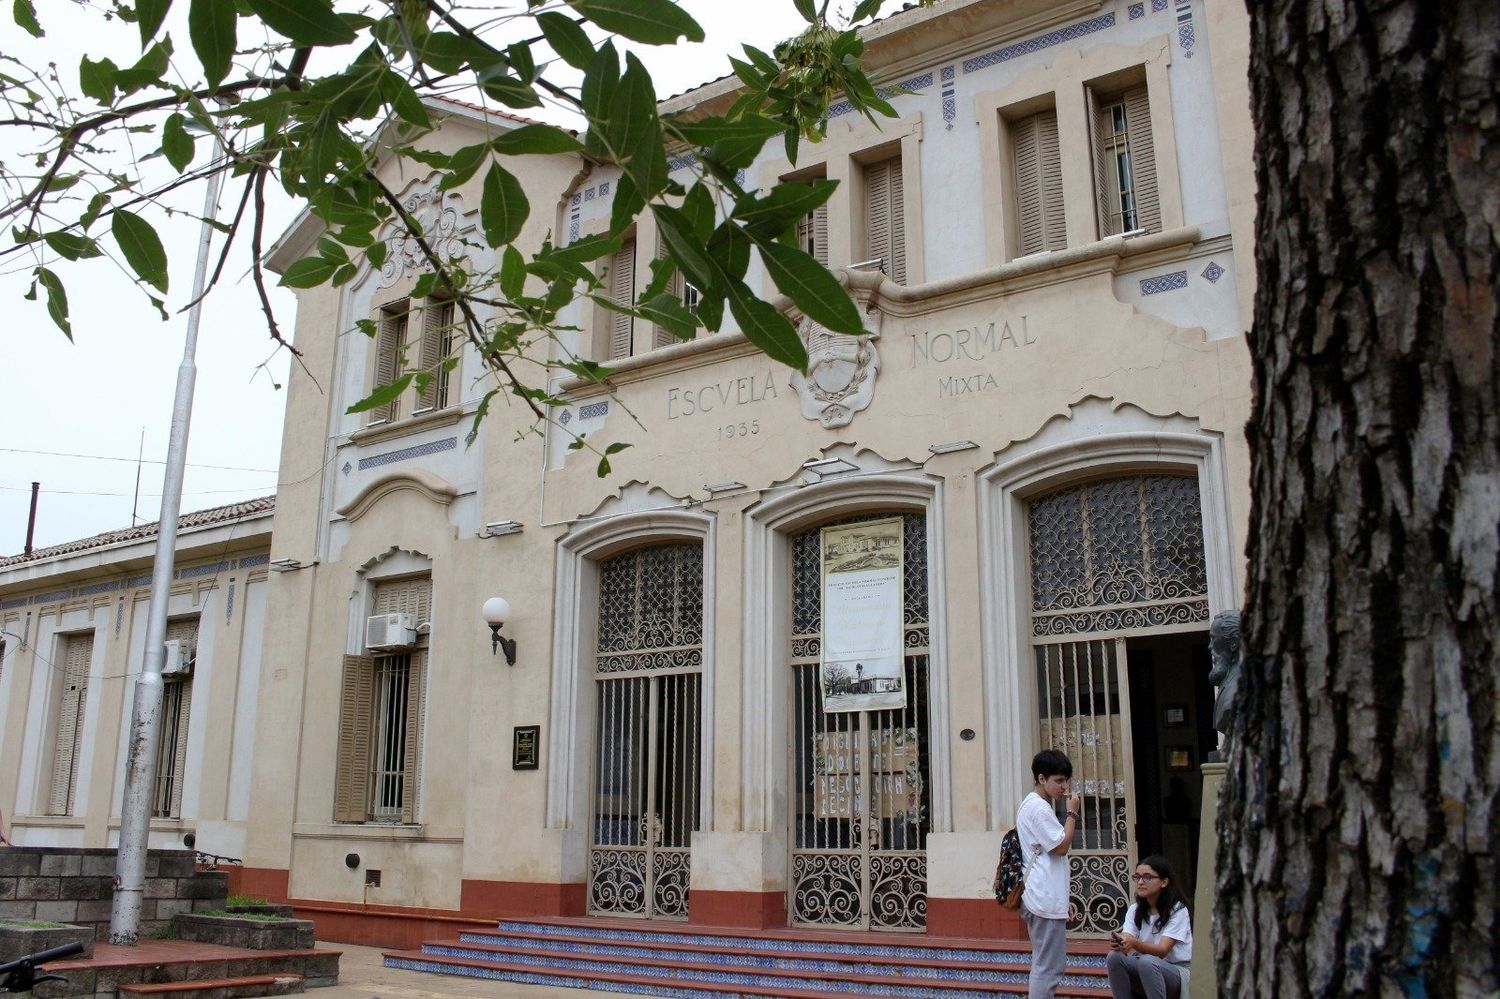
1098 142
80 649
388 344
622 290
437 326
1049 159
1028 187
885 216
812 234
352 770
179 758
1142 159
411 777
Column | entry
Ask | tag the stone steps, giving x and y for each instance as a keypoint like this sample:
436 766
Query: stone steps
700 962
242 987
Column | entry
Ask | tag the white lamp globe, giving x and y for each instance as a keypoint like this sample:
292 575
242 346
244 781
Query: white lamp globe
496 610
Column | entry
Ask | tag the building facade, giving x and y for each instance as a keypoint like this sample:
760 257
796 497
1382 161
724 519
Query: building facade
1040 433
72 638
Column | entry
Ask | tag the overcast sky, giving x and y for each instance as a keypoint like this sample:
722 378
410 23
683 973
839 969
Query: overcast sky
73 415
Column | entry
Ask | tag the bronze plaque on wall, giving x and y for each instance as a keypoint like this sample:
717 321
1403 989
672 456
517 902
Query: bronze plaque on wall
526 751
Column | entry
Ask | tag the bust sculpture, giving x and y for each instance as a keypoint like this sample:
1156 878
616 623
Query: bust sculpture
1226 655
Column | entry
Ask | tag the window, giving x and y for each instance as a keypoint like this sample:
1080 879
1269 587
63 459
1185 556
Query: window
1038 183
812 228
396 348
620 280
885 218
176 710
1124 162
679 288
78 650
378 770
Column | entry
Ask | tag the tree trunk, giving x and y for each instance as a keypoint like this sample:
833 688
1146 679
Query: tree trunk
1360 823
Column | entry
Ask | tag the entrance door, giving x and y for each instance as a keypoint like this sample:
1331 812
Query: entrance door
1083 690
859 780
1114 561
647 744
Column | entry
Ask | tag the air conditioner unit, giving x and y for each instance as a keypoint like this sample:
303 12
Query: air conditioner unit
178 660
385 632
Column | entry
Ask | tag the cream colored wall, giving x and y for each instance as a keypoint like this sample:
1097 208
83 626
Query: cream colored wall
1057 333
116 616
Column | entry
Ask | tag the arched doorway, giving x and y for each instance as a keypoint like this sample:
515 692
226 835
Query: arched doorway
860 781
1119 601
648 730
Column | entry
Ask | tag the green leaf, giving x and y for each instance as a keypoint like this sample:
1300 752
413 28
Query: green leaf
382 395
176 143
807 10
309 272
25 15
597 96
654 22
150 14
57 300
686 248
633 131
72 246
408 106
97 79
519 56
148 70
97 204
766 328
507 89
864 10
540 140
464 164
375 253
566 37
142 248
626 206
512 273
808 283
211 26
503 207
707 131
305 22
668 312
768 217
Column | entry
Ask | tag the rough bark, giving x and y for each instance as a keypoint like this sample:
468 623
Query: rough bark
1360 822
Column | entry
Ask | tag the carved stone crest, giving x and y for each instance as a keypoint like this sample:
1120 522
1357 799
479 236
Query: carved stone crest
841 372
438 213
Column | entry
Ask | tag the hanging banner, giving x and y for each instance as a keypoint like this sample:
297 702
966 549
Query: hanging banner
863 667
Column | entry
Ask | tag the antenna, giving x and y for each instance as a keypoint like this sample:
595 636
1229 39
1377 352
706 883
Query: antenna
136 498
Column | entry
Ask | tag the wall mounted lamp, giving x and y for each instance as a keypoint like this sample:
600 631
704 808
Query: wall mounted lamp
821 468
496 610
288 564
500 528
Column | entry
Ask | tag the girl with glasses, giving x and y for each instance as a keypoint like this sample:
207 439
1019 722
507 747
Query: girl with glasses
1151 951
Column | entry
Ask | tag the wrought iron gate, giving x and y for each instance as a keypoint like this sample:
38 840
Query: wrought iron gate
1110 558
859 780
1083 689
647 745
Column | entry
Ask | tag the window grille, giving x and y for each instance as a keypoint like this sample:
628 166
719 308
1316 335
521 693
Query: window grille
68 738
647 737
1124 162
860 783
176 713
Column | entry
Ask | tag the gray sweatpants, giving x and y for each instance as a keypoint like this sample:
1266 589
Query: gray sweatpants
1137 974
1049 953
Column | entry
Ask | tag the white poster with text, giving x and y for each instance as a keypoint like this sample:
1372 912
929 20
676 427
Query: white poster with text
863 668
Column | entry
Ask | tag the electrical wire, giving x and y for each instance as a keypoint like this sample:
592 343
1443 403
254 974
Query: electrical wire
143 461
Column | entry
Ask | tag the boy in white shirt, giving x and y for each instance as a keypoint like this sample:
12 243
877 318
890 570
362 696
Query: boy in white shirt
1044 846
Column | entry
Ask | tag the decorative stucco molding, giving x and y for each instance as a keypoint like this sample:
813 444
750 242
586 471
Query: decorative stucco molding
432 487
841 372
438 213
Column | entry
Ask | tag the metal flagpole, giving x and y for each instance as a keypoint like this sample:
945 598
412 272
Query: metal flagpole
145 724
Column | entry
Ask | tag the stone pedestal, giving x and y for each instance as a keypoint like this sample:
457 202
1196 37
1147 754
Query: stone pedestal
1204 983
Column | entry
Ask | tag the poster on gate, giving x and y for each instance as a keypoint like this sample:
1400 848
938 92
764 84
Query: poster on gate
862 668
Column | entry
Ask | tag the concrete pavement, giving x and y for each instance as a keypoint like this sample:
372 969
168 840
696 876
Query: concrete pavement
362 976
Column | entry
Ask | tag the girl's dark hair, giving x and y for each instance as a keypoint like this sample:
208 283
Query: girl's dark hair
1169 899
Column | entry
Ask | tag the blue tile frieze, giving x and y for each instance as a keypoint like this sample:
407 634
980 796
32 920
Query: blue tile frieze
406 453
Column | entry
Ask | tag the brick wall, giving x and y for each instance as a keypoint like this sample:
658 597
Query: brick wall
65 885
